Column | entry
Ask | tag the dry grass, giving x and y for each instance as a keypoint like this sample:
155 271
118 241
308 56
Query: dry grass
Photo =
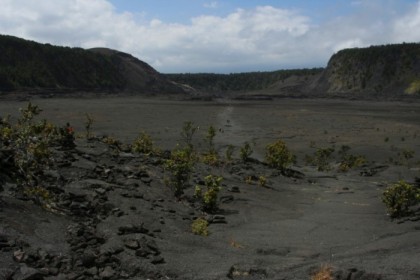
323 273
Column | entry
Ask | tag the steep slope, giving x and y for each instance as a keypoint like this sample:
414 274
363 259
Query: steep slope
27 65
139 75
377 71
239 83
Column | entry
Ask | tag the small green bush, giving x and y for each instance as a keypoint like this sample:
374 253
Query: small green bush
26 151
399 198
187 133
28 143
246 151
200 227
349 161
321 158
209 197
143 144
211 133
277 155
180 166
211 159
262 181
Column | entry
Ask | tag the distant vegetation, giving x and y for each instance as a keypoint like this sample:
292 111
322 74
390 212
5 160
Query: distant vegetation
377 71
30 66
216 83
27 64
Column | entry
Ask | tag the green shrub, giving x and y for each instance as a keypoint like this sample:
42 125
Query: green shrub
187 133
180 166
27 146
211 157
112 142
262 181
143 144
321 158
211 133
246 151
399 197
349 161
209 197
200 227
277 155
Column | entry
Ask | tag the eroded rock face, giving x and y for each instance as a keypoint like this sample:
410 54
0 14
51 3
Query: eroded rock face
377 71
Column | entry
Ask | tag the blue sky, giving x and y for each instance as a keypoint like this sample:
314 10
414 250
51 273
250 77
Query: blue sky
182 11
216 36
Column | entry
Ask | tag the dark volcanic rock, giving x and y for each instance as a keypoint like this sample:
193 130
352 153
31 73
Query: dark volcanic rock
123 230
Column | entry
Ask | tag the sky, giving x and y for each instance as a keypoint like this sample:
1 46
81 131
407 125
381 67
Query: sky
220 36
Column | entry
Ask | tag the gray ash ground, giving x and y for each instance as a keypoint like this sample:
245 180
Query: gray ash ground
114 217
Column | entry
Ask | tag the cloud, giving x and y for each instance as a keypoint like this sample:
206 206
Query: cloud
261 38
211 5
407 28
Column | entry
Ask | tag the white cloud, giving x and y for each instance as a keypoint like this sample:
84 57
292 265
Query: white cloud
407 28
257 39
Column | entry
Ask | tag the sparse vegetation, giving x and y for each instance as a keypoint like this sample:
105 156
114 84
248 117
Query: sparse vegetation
262 181
246 151
112 142
229 152
349 161
143 144
321 158
211 157
399 198
277 155
404 156
66 137
209 197
211 133
200 227
88 126
187 134
26 150
180 166
249 180
323 273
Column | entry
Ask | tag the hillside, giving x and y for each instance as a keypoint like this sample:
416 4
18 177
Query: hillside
377 71
223 84
389 71
27 65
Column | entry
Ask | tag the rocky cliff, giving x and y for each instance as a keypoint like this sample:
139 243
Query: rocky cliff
377 71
